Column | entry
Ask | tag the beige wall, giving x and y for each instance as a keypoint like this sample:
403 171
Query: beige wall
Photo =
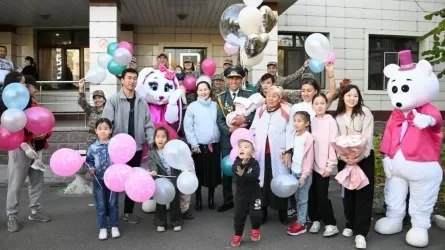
19 45
8 39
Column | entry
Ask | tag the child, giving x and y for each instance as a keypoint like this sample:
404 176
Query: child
248 193
324 130
105 200
302 163
158 165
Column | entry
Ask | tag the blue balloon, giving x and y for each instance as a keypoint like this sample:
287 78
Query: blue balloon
15 96
115 69
112 48
226 166
316 66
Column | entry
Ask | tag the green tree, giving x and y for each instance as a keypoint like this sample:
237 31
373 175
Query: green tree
436 55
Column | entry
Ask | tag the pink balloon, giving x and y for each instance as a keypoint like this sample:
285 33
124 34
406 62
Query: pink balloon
208 66
116 175
231 49
140 186
10 140
126 45
332 57
233 154
66 162
189 83
121 148
40 120
237 135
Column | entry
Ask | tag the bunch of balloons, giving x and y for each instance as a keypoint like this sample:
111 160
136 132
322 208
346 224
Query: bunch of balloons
118 56
317 46
15 119
238 134
245 28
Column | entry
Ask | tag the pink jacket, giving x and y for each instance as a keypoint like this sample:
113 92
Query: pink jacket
324 130
419 145
308 157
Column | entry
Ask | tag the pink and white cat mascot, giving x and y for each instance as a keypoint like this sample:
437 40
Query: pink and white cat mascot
411 146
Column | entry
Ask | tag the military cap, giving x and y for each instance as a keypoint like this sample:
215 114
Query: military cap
187 59
218 77
272 63
99 93
228 61
234 72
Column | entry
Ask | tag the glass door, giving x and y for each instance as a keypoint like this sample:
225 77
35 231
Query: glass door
176 56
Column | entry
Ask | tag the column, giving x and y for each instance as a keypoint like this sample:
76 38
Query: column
104 29
8 39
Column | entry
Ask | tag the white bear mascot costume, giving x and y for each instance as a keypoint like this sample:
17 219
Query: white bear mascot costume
411 145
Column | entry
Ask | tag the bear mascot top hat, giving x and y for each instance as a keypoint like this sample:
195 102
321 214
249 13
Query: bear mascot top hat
411 146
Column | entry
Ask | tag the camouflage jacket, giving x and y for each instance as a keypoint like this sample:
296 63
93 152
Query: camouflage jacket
93 113
283 81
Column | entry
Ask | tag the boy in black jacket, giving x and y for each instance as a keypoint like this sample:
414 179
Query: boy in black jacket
248 193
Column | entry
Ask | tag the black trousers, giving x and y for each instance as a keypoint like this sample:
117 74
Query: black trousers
227 180
357 204
320 207
247 205
160 218
135 162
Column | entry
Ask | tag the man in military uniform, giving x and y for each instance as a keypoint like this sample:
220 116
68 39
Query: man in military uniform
218 85
283 81
162 59
227 64
234 76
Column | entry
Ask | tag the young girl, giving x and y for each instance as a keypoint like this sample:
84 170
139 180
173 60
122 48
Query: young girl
105 200
302 164
324 130
353 116
158 166
248 192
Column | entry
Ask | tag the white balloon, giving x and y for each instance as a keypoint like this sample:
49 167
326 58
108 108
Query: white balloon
253 3
122 56
103 60
176 153
149 206
317 46
13 120
164 192
187 182
284 185
96 75
250 20
246 61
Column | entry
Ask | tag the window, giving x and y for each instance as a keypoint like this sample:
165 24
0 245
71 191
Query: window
291 56
383 50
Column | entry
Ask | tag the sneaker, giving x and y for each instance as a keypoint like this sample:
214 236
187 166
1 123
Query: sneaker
29 151
291 212
177 228
131 218
296 229
39 217
255 235
160 229
38 165
315 228
360 242
13 225
103 235
236 241
330 230
115 232
187 215
347 232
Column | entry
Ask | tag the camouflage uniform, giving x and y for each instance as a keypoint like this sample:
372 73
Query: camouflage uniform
93 113
217 91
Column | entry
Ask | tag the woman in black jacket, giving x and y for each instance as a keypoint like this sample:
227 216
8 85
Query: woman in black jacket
30 68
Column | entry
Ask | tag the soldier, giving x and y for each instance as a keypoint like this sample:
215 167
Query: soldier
162 59
189 67
218 85
227 64
283 81
234 76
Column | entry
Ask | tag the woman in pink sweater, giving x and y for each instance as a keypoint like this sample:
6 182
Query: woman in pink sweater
324 130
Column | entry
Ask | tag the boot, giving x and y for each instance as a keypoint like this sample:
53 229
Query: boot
198 206
211 201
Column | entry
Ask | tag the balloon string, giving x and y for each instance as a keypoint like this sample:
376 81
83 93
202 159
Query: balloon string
95 177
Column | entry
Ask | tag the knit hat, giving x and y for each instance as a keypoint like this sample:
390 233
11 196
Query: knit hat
205 79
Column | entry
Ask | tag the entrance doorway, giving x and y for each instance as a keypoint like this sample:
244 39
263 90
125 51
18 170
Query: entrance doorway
176 56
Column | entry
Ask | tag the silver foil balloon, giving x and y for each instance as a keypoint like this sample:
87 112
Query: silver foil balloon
270 19
13 120
255 44
229 26
164 192
284 185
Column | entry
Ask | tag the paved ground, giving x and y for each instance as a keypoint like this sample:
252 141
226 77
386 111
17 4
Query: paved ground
74 227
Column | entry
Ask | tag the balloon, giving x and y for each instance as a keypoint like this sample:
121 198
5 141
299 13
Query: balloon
40 120
233 155
270 19
237 135
96 75
116 175
316 66
115 68
122 56
13 120
187 182
164 192
229 26
249 62
332 57
189 84
140 186
226 166
208 67
15 96
112 48
253 3
10 140
121 148
103 60
250 20
231 49
126 45
284 185
175 153
255 44
149 206
317 47
66 162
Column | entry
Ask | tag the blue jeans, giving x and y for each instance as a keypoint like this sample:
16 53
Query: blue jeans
104 198
302 199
